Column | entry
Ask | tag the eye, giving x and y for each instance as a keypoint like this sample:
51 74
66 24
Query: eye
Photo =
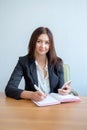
47 42
38 41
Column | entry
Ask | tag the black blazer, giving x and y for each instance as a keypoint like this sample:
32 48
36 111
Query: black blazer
26 68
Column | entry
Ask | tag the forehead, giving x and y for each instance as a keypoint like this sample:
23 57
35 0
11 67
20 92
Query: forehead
43 37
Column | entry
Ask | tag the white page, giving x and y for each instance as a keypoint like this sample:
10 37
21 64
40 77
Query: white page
49 100
65 98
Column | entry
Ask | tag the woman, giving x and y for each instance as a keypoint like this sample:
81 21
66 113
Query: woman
41 67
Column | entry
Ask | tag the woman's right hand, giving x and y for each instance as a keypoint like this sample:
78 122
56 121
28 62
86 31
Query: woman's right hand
36 96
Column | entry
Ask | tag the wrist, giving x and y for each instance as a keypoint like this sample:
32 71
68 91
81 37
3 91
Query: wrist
26 94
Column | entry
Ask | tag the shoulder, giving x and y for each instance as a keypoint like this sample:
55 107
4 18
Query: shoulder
58 64
25 60
59 60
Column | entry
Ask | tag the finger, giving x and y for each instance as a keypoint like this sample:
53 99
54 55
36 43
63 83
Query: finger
63 92
68 86
60 91
41 94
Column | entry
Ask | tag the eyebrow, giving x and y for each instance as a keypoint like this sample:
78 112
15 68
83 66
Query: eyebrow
42 40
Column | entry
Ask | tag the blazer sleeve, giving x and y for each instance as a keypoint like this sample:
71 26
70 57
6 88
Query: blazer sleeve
61 77
60 74
12 89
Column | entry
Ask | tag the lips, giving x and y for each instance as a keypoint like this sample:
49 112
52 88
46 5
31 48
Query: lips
42 50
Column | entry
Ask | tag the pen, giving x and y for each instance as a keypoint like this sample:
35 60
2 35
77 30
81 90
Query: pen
38 89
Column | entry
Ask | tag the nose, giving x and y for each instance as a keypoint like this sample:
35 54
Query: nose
43 44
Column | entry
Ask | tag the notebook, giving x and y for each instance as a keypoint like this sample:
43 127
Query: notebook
55 98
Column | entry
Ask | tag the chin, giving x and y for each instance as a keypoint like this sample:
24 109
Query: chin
43 53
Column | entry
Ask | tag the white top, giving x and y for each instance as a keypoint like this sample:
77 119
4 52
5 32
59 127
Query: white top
43 82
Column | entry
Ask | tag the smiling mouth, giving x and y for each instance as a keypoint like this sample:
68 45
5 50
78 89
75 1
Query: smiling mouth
42 50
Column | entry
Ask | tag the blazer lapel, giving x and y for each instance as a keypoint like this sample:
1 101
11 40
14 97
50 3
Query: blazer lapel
50 69
34 73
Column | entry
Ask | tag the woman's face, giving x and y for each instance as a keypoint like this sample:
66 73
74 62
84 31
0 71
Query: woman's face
42 45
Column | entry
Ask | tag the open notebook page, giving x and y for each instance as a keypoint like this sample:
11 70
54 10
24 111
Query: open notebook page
65 98
49 100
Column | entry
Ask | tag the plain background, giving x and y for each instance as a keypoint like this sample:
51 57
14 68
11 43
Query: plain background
67 19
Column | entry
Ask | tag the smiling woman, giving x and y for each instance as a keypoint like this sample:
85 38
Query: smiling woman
42 45
41 67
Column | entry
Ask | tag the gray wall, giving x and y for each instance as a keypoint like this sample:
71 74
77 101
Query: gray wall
66 18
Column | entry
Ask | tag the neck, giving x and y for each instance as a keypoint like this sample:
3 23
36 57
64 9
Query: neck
41 61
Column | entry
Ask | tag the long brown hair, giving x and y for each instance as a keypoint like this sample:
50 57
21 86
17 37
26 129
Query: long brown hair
52 57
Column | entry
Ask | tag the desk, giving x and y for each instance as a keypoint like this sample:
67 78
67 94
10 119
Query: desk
25 115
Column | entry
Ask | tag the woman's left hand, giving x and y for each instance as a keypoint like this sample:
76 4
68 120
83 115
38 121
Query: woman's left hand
64 91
